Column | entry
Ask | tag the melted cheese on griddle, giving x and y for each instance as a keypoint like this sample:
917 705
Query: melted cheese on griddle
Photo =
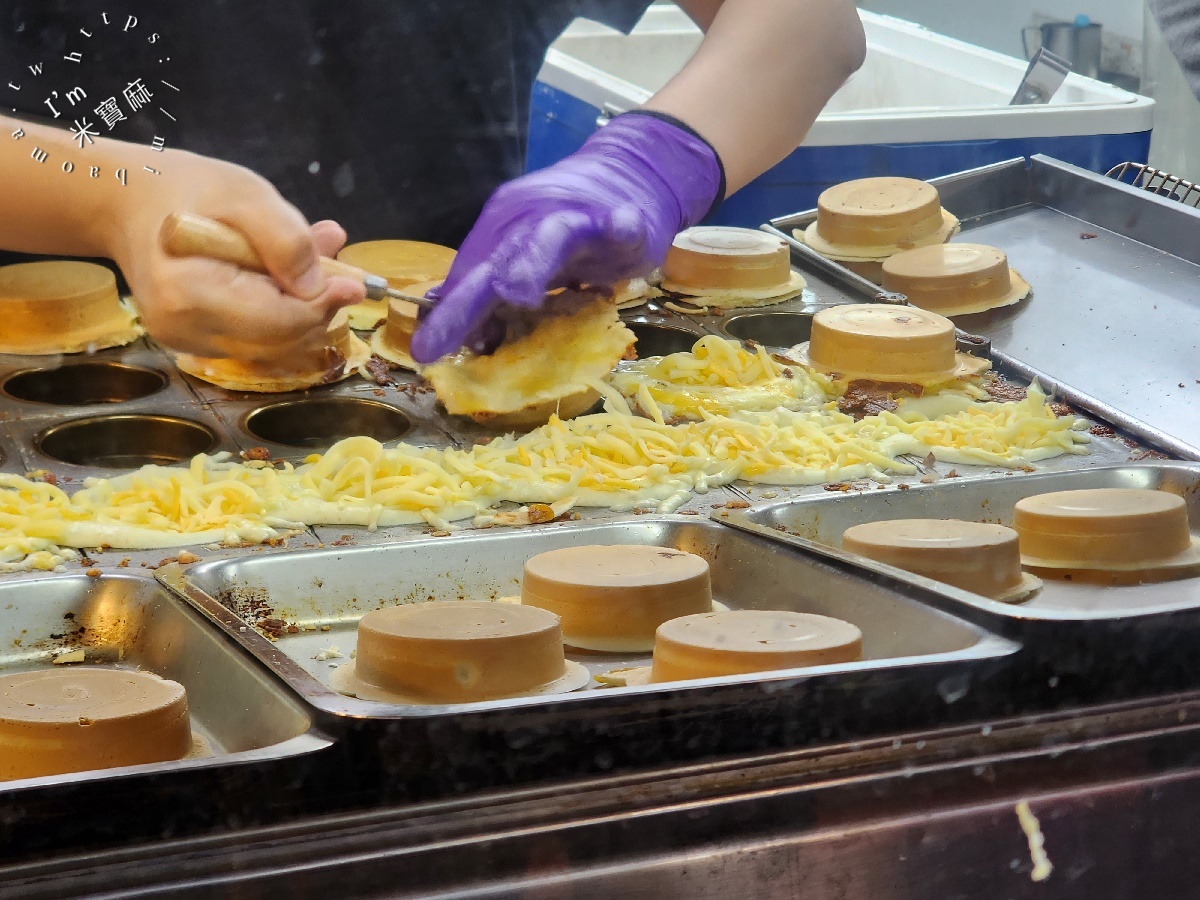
614 459
720 377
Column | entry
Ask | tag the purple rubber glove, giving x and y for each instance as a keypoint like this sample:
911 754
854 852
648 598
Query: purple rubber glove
607 212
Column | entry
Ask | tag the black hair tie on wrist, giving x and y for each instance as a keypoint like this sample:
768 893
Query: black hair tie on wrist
684 126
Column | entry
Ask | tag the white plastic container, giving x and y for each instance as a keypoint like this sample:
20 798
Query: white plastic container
922 105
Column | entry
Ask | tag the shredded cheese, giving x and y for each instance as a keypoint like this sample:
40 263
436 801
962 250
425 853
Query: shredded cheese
1042 867
745 419
720 376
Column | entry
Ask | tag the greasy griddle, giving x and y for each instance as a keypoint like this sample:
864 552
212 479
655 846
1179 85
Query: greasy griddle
931 664
1114 271
322 594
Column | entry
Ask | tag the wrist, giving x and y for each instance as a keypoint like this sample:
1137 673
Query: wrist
667 150
122 205
719 196
133 211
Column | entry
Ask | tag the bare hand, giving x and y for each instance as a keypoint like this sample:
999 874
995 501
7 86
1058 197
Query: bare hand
210 308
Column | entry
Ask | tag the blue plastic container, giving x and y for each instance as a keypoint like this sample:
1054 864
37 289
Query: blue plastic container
923 105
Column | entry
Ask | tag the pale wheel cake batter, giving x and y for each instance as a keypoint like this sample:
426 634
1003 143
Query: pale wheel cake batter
975 556
458 652
54 721
612 598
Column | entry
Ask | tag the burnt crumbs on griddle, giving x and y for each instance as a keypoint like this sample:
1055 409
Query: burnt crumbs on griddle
1003 391
864 397
379 371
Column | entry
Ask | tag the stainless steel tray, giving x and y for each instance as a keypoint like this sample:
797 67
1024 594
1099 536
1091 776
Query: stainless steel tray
906 641
242 714
817 523
1113 270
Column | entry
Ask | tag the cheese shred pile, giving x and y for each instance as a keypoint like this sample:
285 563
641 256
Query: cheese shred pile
721 377
749 417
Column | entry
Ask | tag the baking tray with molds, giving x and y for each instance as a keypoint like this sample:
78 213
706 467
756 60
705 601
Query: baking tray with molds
1112 268
1124 638
87 415
915 656
239 713
103 413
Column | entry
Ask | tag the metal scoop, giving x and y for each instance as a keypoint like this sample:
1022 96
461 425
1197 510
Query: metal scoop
1043 78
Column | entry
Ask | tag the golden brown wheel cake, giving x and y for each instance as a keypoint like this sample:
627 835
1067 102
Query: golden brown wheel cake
404 264
885 342
392 341
861 223
955 279
741 642
612 597
59 720
62 306
730 268
343 353
975 556
549 371
1116 530
458 651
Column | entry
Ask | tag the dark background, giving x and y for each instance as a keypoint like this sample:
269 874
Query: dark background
413 111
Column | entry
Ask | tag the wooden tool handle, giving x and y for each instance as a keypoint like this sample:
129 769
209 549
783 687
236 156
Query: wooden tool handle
185 234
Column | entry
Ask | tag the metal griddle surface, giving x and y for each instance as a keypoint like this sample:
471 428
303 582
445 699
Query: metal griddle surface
1117 314
1113 314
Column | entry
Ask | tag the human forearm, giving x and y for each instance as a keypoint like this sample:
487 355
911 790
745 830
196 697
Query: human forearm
197 305
58 198
754 115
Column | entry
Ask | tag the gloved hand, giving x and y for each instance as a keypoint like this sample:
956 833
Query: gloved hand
607 212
